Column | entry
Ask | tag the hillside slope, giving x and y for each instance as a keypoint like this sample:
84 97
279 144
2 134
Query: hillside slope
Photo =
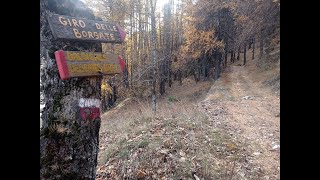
229 129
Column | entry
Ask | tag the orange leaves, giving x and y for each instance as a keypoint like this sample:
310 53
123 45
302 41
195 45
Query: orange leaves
199 42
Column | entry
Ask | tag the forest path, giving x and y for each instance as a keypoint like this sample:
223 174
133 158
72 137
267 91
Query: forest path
227 129
251 115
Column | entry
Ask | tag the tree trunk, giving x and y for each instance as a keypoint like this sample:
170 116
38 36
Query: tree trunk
69 137
153 96
238 56
170 77
104 103
217 65
226 55
199 73
231 56
261 43
179 76
110 100
162 86
206 68
131 73
154 53
253 43
244 54
225 59
195 76
114 94
203 64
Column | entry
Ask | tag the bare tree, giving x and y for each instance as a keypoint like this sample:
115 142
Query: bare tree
154 53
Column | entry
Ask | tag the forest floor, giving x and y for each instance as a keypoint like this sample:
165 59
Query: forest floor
227 129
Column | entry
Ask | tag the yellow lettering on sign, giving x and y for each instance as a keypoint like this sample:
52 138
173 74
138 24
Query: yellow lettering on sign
102 27
84 33
90 34
75 23
108 27
98 26
96 35
92 69
63 21
107 35
115 28
112 37
69 22
93 35
76 33
86 56
82 24
101 35
83 69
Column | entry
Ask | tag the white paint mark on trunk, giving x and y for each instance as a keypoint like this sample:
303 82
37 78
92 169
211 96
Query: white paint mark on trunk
86 102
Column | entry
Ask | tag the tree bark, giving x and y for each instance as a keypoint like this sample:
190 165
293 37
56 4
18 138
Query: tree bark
170 77
217 65
244 54
69 141
253 45
238 56
154 53
226 55
162 86
225 59
203 65
231 56
126 76
179 76
261 43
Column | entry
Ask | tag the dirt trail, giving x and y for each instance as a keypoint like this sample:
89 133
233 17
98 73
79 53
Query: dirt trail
250 115
226 130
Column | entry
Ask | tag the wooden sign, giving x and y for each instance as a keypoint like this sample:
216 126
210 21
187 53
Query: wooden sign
81 64
67 27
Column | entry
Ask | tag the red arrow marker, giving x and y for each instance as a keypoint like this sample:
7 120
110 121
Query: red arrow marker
62 64
121 62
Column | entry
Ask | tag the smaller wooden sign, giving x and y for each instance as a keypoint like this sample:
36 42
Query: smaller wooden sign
81 64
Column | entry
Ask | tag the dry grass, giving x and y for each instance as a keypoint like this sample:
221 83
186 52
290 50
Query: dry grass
178 140
171 144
